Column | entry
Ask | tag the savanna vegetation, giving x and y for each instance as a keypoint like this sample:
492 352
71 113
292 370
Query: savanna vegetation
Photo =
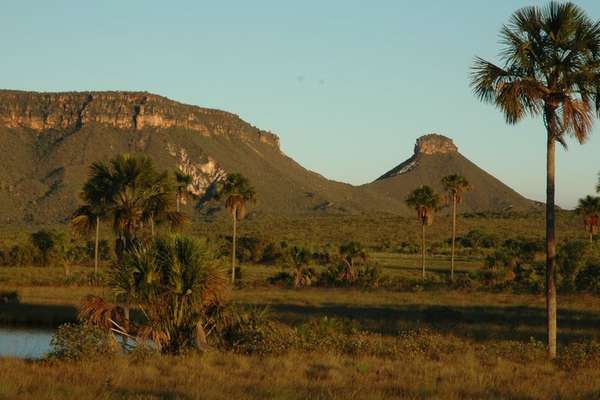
152 299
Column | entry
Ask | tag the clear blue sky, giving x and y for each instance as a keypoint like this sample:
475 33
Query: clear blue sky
348 85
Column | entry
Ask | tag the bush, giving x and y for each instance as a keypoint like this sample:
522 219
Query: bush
21 255
326 334
531 277
573 258
44 241
250 330
589 279
11 297
282 278
77 342
103 249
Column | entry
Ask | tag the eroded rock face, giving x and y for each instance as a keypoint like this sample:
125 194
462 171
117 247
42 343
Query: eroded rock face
122 110
205 173
435 144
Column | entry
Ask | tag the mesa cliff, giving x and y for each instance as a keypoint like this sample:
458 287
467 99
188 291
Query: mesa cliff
120 110
49 141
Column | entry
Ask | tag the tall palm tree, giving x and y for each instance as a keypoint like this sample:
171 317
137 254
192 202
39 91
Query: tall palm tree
550 68
589 209
237 192
85 220
454 186
425 202
97 196
129 191
182 184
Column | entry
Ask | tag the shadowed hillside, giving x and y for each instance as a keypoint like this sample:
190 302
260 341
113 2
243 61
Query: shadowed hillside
50 139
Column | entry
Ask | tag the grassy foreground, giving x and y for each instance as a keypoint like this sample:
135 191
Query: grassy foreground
460 372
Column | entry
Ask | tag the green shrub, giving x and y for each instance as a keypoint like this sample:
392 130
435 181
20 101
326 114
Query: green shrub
78 341
21 255
589 279
530 277
250 330
44 241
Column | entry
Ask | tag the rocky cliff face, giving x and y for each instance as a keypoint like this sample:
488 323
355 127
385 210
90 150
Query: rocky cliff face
121 110
435 144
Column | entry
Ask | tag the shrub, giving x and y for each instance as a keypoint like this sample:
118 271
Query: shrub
44 241
408 248
530 277
250 330
282 278
104 251
21 255
11 297
77 342
573 258
589 279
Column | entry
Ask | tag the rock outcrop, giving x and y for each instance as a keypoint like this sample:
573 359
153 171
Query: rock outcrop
436 156
435 144
121 110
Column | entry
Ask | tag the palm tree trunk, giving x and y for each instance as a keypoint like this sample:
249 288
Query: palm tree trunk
453 237
423 250
96 245
233 250
177 201
551 245
152 225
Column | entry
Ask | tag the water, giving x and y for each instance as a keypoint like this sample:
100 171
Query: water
24 342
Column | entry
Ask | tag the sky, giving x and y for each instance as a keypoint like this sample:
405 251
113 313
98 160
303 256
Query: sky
347 85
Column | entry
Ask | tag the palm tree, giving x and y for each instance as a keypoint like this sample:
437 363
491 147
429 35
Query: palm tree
589 208
175 282
299 259
129 191
454 186
237 192
182 184
85 220
97 195
140 195
352 254
425 202
550 68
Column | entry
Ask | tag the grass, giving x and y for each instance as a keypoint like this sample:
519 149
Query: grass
469 344
449 369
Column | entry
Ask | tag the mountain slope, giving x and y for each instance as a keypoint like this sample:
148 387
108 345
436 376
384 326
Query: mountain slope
50 139
436 156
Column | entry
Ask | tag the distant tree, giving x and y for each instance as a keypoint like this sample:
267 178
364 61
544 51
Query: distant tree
425 202
299 259
97 195
454 186
182 184
44 241
352 253
551 68
589 209
237 193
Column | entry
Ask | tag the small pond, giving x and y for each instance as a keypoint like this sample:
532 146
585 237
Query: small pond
25 342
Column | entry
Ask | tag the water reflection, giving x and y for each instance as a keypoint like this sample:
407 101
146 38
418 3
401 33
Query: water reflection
24 342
